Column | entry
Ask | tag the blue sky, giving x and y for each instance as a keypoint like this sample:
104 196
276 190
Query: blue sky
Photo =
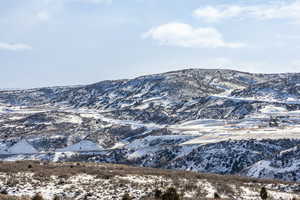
70 42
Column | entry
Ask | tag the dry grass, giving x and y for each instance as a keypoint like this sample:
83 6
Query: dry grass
182 180
8 197
114 179
106 171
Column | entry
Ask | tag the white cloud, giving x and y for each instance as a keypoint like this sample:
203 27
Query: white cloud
184 35
212 14
14 47
286 10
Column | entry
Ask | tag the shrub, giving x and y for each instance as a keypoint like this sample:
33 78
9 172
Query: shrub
56 197
263 193
4 191
8 197
38 196
170 194
12 181
126 196
157 193
216 196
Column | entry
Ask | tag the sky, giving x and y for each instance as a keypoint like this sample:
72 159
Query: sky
73 42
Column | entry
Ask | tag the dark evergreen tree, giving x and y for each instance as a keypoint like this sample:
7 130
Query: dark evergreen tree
263 193
216 196
157 194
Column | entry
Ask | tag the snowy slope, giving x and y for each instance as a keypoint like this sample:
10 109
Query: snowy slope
83 145
209 120
21 147
108 182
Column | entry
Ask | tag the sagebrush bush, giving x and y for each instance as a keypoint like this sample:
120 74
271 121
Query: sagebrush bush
170 194
56 197
126 196
8 197
38 196
3 191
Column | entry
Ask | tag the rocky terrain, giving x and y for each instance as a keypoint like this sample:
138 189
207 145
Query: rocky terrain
216 121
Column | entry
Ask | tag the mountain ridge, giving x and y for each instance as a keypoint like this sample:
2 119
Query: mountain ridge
145 75
211 120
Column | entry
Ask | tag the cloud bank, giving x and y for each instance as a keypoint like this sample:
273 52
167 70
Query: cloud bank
285 10
14 47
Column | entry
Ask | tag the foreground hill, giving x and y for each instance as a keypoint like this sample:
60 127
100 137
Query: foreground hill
107 181
219 121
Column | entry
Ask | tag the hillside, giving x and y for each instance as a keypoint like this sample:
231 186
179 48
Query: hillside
106 181
203 120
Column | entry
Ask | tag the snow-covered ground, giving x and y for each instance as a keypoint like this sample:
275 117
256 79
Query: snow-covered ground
253 127
96 114
111 183
84 146
21 147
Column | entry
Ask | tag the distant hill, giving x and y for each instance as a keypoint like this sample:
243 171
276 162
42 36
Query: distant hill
204 120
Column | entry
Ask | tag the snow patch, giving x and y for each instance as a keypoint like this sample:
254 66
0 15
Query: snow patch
22 147
84 145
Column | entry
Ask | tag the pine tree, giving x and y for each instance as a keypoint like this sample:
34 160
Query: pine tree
263 193
216 196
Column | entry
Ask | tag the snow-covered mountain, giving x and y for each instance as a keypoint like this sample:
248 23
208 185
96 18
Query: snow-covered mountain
207 120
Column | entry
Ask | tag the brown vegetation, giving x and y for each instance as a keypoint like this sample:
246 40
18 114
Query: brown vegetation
180 182
8 197
106 171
